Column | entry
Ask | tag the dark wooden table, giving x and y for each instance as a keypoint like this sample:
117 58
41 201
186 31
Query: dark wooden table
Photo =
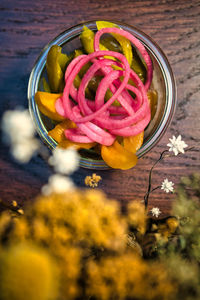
27 26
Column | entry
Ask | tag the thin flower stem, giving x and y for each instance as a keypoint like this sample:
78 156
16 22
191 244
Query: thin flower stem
146 197
158 187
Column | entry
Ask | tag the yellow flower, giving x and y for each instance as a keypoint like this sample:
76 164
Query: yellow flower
70 226
68 259
87 218
21 230
20 211
127 276
27 273
40 230
137 216
5 220
46 229
14 203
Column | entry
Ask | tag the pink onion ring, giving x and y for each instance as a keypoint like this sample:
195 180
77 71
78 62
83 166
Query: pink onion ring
98 120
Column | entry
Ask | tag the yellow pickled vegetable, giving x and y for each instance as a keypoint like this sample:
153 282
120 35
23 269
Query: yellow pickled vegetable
117 157
133 143
67 143
153 100
46 104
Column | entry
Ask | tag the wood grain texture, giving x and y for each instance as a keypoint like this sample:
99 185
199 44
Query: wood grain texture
27 26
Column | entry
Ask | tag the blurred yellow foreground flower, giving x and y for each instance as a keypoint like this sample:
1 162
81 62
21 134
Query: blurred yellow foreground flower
27 273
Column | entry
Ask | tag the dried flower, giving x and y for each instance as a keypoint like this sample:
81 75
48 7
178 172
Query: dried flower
167 186
155 212
57 184
177 145
93 180
64 161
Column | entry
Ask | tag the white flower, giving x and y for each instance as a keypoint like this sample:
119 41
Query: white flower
64 161
177 145
24 150
155 212
167 186
57 184
19 131
17 125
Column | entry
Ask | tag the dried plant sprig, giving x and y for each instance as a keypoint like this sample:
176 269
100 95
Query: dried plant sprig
177 146
93 180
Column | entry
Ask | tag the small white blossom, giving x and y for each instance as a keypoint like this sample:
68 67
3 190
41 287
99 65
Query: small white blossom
57 184
64 161
155 212
167 186
19 131
17 125
177 145
24 150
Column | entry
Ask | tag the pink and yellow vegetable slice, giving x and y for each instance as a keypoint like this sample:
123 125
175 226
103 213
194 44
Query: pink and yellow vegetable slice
46 104
58 134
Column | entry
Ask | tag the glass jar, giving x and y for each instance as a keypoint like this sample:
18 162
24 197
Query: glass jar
163 82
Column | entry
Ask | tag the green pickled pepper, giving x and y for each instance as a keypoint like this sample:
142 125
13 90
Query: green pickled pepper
87 40
63 60
111 44
124 43
46 86
138 66
55 65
